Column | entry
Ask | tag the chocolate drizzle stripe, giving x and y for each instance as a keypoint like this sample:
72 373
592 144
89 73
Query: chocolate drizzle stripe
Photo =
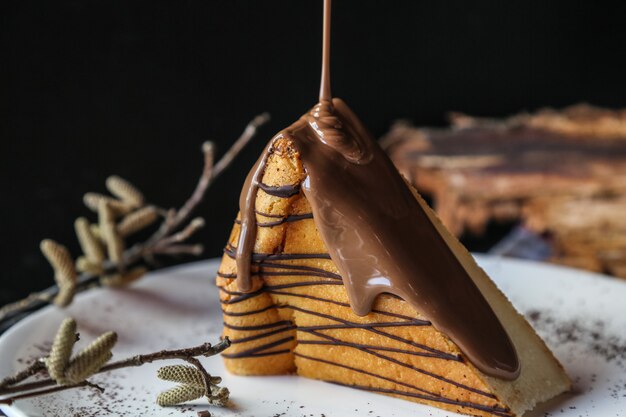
261 335
415 395
430 396
434 353
259 326
255 355
285 274
269 288
247 313
288 219
275 216
312 297
300 284
413 367
371 329
373 347
339 303
358 325
240 298
259 349
318 272
231 251
282 191
225 275
492 410
302 274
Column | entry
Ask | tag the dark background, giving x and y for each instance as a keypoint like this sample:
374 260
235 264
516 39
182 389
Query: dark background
91 88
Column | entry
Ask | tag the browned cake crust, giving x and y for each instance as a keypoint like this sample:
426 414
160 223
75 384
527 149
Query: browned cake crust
297 318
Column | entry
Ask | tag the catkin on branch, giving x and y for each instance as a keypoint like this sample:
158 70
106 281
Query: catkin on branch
59 257
91 359
64 270
65 295
93 200
219 396
108 228
125 191
89 244
77 373
137 221
61 350
123 279
95 231
179 395
85 265
181 373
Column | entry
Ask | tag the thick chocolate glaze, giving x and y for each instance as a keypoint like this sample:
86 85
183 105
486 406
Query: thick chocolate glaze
376 231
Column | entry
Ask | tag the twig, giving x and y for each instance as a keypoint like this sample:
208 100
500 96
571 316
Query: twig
184 234
34 368
47 391
206 378
180 250
210 173
205 349
243 140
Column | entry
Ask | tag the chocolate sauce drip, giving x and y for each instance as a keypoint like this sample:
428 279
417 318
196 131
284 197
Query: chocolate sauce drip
247 229
376 232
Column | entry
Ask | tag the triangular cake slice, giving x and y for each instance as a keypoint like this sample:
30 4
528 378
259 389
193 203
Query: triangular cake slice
296 314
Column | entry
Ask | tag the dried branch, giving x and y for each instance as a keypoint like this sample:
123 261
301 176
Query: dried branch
246 136
40 387
209 174
166 240
47 391
34 368
180 250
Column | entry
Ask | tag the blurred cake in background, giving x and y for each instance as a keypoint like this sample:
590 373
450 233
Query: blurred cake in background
559 174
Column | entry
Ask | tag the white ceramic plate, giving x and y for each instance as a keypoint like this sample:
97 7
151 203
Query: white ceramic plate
582 316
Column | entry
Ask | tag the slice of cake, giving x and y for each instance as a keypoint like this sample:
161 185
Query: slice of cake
337 270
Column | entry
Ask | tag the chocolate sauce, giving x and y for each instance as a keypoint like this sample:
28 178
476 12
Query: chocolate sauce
376 232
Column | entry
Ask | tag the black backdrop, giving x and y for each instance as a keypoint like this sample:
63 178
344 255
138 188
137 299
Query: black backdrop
90 87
